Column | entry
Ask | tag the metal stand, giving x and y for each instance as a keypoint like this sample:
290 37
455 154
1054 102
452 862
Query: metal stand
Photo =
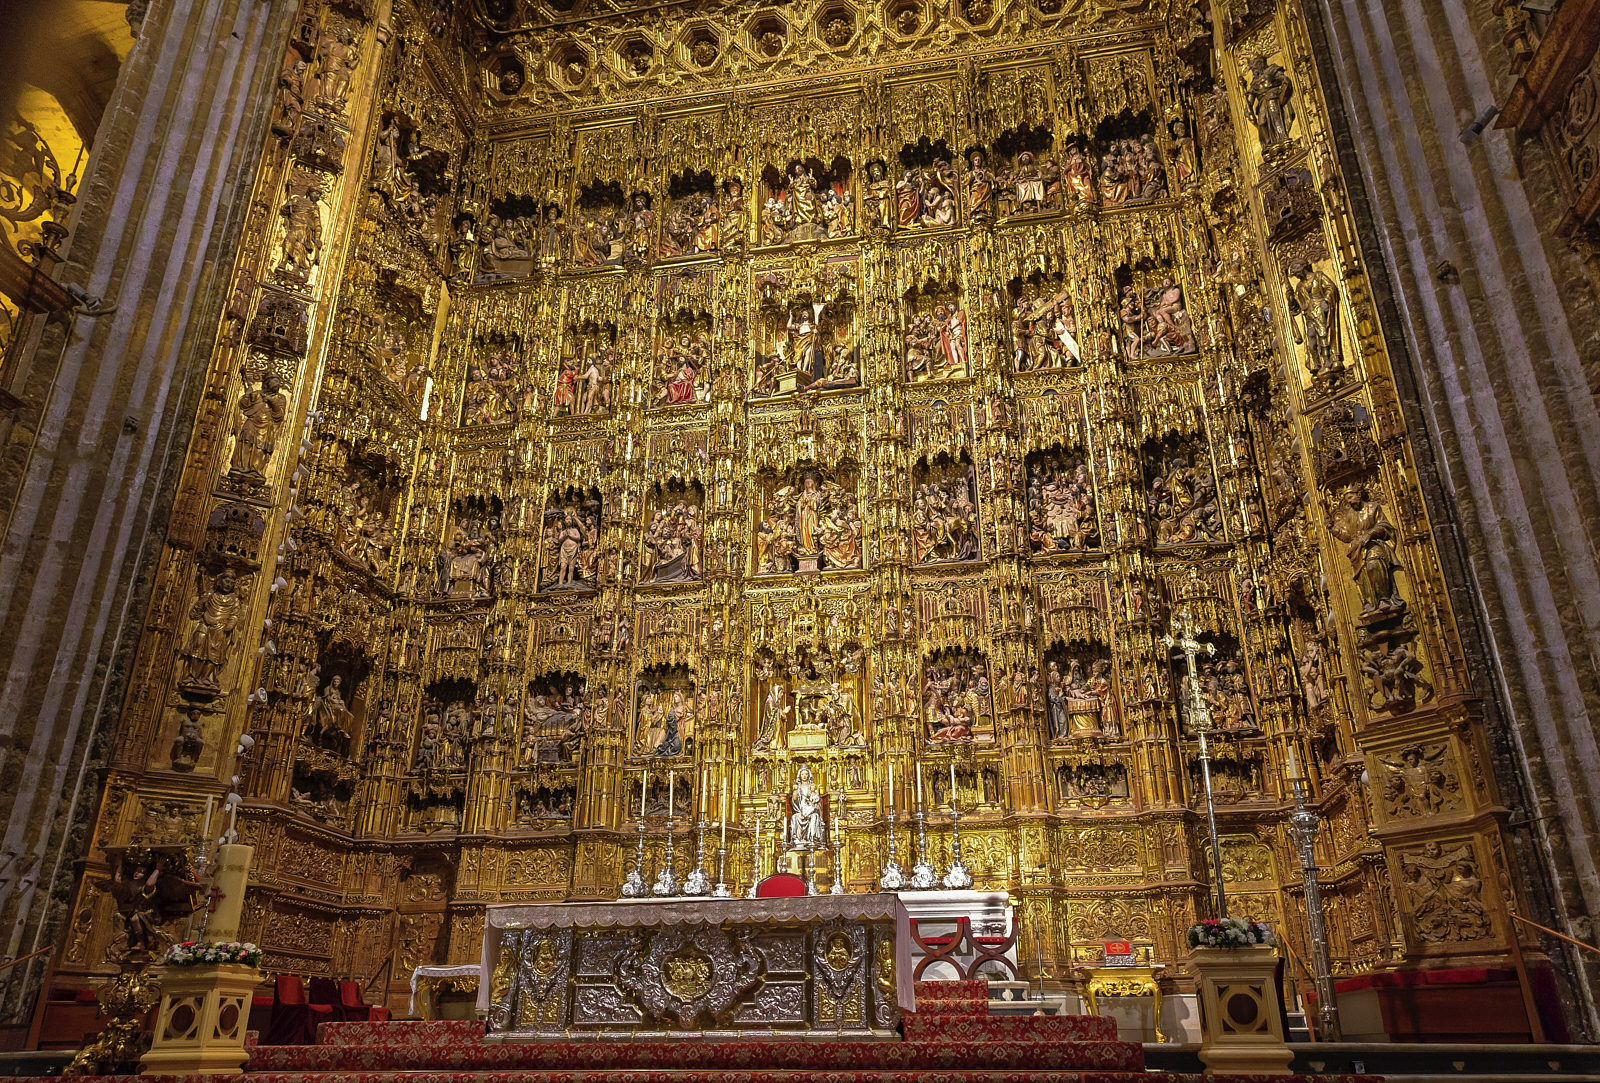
923 875
697 882
893 877
957 878
755 863
1303 826
810 863
721 891
667 884
838 870
1185 636
633 886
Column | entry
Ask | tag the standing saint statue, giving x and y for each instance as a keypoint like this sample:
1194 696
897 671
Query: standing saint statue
1315 300
1267 96
302 232
1363 526
216 613
255 433
805 822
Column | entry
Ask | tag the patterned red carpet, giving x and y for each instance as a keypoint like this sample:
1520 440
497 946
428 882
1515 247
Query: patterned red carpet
951 1039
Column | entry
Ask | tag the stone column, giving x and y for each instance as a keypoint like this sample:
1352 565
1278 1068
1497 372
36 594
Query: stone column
107 408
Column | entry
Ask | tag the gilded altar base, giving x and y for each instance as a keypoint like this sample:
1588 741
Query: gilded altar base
821 967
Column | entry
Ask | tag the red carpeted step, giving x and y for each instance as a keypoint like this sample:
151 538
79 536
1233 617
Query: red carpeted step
409 1032
801 1056
1008 1028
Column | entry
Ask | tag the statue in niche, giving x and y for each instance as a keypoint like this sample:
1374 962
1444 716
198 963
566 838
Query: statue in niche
808 348
733 219
583 385
936 344
944 517
1155 322
215 615
842 717
810 526
1183 505
774 710
1311 679
255 432
555 718
337 58
290 103
571 549
1227 694
877 197
1044 333
693 225
363 532
1061 510
673 546
1362 524
958 700
1314 317
1035 187
467 562
302 232
801 206
1267 96
1093 781
1100 687
190 743
487 399
679 371
331 721
1131 172
926 196
1079 176
666 724
598 240
641 228
805 821
980 185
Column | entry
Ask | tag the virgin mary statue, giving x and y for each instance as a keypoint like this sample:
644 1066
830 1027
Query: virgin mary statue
805 823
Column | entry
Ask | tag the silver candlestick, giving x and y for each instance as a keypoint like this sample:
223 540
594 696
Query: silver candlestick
838 868
755 861
667 880
810 863
721 891
634 887
923 875
893 877
697 882
957 878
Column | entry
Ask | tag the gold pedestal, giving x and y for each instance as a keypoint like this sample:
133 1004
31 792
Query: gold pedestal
1123 981
806 739
1239 1008
201 1025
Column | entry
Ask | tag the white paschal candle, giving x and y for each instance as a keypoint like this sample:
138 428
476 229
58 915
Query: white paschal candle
919 784
952 784
702 793
891 789
724 816
672 805
644 789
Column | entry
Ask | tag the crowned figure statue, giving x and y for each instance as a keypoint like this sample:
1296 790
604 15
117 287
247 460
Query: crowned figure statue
805 822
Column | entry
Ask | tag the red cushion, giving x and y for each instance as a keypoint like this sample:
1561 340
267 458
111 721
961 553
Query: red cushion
781 885
378 1015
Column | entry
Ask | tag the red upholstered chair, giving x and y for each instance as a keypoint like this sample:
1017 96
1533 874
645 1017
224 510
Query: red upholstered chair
780 885
294 1021
352 1009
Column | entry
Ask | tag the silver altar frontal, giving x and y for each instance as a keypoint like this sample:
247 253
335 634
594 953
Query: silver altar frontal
820 966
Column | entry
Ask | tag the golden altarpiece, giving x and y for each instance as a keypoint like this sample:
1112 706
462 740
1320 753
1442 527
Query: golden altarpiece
730 390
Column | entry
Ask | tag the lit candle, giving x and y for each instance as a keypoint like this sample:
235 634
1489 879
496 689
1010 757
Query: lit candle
205 832
644 788
671 805
702 793
1294 766
919 785
724 817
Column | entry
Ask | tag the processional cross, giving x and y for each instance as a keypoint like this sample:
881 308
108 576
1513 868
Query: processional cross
1185 637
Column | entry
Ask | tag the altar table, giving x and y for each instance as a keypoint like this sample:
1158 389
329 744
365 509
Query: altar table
819 966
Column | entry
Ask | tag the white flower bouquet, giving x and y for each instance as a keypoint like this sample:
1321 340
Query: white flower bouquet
198 953
1230 933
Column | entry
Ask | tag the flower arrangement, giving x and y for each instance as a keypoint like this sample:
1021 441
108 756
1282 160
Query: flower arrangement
198 952
1230 933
